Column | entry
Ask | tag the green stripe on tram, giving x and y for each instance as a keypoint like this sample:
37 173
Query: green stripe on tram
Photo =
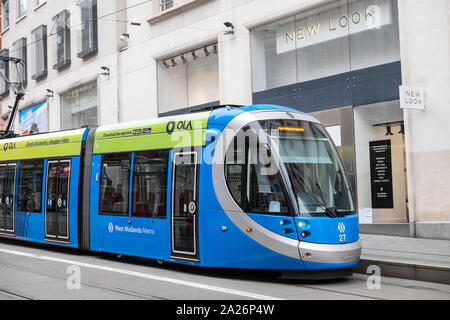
161 133
60 144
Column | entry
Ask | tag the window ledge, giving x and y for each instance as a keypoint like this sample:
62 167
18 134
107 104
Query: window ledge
21 18
175 10
6 30
39 5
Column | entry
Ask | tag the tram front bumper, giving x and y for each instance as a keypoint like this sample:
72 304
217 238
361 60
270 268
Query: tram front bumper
330 253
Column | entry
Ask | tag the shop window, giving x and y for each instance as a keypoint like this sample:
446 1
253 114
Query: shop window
18 75
29 197
374 40
4 69
79 107
5 14
189 79
87 35
61 43
114 184
39 50
149 195
324 44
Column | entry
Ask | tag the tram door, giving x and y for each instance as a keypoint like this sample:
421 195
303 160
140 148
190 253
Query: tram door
7 197
57 206
184 204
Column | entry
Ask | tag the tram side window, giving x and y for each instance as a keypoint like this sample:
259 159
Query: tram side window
255 187
114 184
149 191
29 198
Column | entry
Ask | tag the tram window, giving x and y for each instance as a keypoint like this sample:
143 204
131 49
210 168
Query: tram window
149 192
114 184
29 198
256 188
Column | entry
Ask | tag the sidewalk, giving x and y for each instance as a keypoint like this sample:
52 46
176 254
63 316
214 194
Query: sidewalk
408 258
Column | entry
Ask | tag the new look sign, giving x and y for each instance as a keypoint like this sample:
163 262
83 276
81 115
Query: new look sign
412 98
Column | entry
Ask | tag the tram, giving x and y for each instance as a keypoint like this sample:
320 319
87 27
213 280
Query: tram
254 187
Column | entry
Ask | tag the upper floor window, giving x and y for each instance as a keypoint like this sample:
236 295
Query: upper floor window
39 50
5 14
87 36
4 69
19 73
61 42
165 5
21 8
39 2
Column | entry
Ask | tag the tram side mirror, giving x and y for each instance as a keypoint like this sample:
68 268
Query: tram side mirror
274 206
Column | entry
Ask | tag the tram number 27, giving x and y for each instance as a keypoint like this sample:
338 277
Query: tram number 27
342 237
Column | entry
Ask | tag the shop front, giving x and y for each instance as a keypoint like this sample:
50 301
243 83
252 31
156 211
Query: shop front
188 81
341 62
79 107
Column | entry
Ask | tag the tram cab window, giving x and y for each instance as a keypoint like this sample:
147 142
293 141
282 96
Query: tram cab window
253 177
29 197
114 184
149 192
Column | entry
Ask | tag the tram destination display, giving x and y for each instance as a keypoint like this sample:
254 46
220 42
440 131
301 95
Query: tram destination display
381 174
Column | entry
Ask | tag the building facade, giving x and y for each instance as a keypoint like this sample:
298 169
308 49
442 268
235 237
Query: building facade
95 62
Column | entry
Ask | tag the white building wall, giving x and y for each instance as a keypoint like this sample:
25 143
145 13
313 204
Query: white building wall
425 57
80 71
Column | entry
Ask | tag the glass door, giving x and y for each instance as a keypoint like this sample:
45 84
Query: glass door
57 206
7 197
184 204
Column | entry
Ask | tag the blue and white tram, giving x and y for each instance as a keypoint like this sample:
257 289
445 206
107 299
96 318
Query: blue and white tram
256 187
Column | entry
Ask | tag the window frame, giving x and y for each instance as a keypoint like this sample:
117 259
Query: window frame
165 5
44 71
91 25
65 45
166 155
4 65
21 53
19 184
21 4
245 203
101 198
6 12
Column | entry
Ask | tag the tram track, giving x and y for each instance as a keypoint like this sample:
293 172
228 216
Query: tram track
130 293
13 295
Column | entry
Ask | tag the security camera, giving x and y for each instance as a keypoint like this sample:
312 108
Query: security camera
124 37
106 69
229 25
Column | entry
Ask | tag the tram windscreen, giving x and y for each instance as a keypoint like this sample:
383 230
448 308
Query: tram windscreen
315 171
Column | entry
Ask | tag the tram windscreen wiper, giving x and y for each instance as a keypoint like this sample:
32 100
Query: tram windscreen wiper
331 211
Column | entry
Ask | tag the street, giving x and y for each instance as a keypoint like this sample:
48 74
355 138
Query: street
40 272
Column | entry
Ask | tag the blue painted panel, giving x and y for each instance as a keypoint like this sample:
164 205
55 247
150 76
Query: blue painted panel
31 226
358 87
284 226
234 249
329 230
135 236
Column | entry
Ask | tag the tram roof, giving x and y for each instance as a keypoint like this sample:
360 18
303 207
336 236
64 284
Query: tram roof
46 145
159 133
